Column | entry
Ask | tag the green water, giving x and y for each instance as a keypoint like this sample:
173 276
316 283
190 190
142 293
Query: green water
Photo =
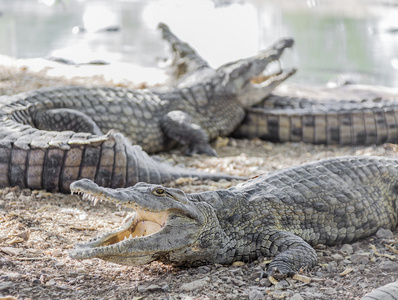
354 39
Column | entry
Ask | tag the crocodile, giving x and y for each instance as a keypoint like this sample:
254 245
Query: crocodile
53 136
282 214
205 103
350 114
36 159
385 292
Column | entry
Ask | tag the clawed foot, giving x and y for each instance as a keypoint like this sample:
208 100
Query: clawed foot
278 273
200 149
278 270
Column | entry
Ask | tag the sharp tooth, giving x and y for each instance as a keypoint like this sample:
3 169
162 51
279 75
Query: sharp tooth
125 237
95 201
131 236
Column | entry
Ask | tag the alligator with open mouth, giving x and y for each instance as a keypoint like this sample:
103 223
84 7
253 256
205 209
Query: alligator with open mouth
282 214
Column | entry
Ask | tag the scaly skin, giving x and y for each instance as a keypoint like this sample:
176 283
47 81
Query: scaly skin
206 103
386 292
282 214
53 136
37 159
369 115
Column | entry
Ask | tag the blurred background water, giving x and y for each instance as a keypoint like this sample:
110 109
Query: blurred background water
334 39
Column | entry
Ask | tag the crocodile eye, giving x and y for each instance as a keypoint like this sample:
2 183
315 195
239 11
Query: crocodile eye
159 192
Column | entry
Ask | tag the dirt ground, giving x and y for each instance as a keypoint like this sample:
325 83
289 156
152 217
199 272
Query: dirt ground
37 229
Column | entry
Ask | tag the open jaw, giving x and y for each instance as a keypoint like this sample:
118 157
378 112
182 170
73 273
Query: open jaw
138 228
262 73
261 86
160 225
132 243
268 77
271 67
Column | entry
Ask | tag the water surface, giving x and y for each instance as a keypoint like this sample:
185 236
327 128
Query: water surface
357 39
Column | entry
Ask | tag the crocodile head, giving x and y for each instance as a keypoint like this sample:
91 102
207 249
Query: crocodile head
165 226
250 79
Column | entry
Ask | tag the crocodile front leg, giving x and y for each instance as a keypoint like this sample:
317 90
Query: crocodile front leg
181 127
291 253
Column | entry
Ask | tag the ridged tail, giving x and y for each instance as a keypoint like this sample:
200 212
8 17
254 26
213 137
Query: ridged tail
37 159
344 123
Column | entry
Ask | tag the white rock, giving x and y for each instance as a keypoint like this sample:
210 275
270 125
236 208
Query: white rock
195 285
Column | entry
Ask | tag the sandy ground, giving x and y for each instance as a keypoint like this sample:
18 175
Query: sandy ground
37 229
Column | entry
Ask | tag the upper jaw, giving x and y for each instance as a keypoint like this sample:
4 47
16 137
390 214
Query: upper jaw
272 54
176 233
253 70
250 67
262 86
149 232
138 197
140 228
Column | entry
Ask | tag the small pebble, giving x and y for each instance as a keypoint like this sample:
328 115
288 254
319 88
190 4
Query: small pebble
56 252
204 269
388 266
282 285
255 294
296 296
360 259
347 248
195 285
148 289
165 287
337 256
80 270
5 285
332 267
51 282
384 234
279 294
238 282
237 271
265 282
10 196
328 282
